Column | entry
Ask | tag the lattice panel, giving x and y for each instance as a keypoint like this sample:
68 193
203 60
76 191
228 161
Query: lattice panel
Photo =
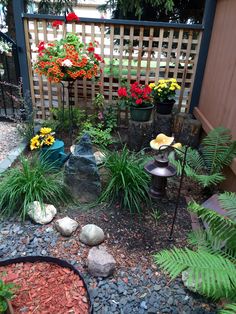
133 52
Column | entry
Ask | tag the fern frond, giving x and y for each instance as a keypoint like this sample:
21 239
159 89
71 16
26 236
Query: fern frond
229 309
218 149
204 240
228 202
221 227
211 275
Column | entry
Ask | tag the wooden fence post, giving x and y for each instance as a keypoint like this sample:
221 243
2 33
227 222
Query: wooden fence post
18 10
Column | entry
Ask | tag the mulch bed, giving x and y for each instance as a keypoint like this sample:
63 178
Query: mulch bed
46 288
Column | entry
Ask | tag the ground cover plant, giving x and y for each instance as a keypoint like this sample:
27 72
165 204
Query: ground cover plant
7 291
211 267
127 180
33 180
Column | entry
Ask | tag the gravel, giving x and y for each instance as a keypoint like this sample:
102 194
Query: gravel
130 290
9 138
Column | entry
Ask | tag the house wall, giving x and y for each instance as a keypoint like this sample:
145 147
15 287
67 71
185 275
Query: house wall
217 104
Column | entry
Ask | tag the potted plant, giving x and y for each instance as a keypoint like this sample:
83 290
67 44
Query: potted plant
138 98
7 291
67 59
163 93
51 149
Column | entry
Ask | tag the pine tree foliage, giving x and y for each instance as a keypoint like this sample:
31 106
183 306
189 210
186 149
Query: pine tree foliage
204 166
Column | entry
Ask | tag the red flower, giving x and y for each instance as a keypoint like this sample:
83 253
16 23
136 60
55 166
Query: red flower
122 92
98 57
139 101
72 17
41 46
56 23
91 49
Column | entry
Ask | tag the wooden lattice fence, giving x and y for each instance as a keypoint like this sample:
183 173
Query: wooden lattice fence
133 50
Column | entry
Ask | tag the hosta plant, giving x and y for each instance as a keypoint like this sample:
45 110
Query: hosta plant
211 268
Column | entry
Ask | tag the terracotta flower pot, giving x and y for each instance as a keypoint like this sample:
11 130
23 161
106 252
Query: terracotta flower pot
141 114
164 107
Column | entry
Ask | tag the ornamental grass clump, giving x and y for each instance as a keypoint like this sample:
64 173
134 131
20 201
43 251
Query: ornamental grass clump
127 180
31 181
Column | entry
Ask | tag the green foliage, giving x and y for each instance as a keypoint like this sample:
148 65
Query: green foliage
228 202
229 309
127 180
32 181
99 136
6 293
99 101
61 119
205 166
212 275
212 267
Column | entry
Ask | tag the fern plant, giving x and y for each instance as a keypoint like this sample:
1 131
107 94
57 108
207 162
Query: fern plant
205 166
211 268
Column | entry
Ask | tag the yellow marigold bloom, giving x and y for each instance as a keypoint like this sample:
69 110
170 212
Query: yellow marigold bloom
45 131
49 140
152 85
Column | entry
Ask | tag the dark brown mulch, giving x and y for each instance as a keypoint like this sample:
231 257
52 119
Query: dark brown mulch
44 288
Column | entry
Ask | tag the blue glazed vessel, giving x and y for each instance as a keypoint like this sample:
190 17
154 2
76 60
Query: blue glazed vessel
54 154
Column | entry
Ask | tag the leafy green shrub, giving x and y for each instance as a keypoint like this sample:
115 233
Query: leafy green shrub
127 180
212 267
61 118
7 291
205 166
32 181
99 136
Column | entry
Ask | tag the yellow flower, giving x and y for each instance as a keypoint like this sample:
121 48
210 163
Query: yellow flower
45 131
177 145
172 87
34 144
159 90
161 140
152 85
49 140
173 80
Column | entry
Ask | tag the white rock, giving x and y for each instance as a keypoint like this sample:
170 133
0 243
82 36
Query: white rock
91 235
42 215
99 157
66 226
100 262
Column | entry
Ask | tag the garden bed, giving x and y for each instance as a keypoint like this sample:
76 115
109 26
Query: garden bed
45 285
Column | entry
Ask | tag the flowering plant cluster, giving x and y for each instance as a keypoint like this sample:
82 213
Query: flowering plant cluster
44 138
5 47
68 58
70 17
164 90
136 95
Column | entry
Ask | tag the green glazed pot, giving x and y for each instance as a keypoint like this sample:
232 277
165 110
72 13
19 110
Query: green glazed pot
141 114
54 154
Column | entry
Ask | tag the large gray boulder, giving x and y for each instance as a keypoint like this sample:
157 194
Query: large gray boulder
66 226
41 214
81 172
100 262
91 235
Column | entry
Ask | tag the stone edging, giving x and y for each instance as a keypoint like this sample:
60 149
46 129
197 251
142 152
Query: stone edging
12 156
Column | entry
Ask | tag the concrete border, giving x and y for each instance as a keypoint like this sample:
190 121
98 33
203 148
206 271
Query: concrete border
12 156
